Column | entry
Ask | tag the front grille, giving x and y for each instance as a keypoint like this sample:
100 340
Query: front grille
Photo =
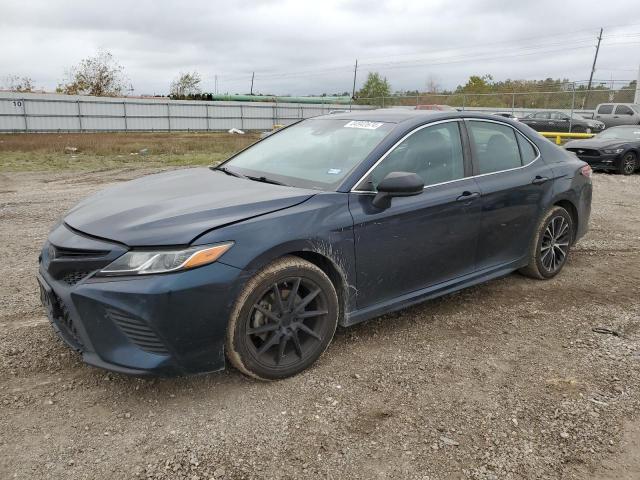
584 152
72 265
71 278
61 252
137 331
66 328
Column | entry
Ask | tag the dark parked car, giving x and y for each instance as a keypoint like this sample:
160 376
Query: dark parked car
334 220
616 149
562 122
506 115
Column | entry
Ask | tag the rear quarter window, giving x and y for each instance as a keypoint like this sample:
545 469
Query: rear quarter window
527 151
605 109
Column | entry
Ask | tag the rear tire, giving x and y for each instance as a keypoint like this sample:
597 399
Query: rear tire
628 164
550 246
274 335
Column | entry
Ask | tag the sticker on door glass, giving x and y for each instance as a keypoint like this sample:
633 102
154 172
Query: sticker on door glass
363 124
334 171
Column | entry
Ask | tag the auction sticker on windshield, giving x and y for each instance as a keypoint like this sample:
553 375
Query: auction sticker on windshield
363 124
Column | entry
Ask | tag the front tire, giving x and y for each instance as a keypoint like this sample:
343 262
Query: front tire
628 164
283 320
549 249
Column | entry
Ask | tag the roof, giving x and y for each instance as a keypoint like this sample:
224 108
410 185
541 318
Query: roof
399 115
388 115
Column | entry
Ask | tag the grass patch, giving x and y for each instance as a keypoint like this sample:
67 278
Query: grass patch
90 151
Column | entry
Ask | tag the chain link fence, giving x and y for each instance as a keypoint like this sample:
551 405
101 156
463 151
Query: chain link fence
577 100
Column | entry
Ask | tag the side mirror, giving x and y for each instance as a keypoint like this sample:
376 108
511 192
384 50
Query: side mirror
397 184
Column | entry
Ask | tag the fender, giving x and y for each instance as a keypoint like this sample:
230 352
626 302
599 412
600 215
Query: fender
326 212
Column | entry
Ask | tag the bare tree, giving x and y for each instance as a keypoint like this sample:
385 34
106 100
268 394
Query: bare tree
100 75
185 84
432 84
16 83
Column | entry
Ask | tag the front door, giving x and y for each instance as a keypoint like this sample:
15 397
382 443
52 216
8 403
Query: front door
422 240
605 114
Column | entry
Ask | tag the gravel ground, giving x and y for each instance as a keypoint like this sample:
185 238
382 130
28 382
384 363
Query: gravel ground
501 381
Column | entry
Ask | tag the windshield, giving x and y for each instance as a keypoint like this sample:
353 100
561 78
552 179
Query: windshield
621 133
315 153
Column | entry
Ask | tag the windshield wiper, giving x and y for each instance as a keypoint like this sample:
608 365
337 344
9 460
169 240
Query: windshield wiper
230 172
266 180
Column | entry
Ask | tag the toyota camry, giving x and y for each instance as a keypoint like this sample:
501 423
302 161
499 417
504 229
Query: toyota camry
331 221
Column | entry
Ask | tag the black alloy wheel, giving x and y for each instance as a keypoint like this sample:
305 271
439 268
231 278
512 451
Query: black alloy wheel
628 164
286 321
556 240
549 248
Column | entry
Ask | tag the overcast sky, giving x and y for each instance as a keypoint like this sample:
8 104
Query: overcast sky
304 47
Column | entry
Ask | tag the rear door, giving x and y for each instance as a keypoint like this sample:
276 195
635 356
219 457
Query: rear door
604 113
422 240
515 185
558 122
624 115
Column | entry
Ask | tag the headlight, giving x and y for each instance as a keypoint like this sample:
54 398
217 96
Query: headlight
614 150
144 262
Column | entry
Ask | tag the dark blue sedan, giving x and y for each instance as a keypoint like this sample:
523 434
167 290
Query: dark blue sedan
333 220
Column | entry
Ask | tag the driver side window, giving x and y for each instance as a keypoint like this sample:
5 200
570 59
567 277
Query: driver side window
434 153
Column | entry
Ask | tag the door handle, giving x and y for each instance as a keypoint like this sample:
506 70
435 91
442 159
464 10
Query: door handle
539 180
468 196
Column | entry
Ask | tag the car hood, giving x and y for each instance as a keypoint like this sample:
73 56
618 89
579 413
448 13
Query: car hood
173 208
596 143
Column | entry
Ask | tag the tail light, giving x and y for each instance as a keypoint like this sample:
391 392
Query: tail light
586 171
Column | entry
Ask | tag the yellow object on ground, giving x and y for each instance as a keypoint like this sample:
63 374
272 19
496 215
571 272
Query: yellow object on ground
560 135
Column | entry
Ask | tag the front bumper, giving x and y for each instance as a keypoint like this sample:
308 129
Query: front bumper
602 162
169 324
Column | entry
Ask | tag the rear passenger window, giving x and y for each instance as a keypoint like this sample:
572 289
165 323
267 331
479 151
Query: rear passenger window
605 109
623 110
434 153
495 145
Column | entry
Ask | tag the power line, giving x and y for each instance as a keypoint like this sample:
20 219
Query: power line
509 52
521 51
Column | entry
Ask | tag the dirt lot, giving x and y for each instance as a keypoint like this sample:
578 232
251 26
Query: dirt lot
505 380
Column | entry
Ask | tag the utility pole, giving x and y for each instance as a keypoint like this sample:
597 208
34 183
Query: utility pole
636 99
253 74
215 88
353 90
593 69
573 105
